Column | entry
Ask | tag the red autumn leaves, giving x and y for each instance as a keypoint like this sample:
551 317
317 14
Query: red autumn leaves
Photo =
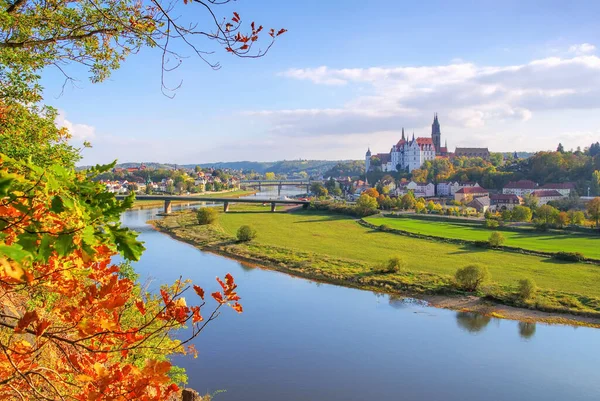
241 43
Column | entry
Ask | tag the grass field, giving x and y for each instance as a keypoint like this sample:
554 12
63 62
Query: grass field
336 248
588 245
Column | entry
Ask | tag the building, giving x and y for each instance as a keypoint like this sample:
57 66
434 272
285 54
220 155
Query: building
467 194
520 188
419 190
484 153
408 154
548 195
450 188
481 204
499 202
564 188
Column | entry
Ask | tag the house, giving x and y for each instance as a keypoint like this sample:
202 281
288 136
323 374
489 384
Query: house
444 188
499 202
564 188
467 194
419 190
520 188
484 153
481 204
545 196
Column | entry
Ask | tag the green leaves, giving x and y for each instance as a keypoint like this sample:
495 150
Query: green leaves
127 243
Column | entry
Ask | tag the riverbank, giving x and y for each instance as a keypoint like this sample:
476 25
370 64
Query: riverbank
238 193
337 250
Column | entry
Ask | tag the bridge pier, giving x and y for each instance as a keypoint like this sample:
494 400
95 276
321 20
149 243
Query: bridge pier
279 189
307 188
272 206
225 207
167 206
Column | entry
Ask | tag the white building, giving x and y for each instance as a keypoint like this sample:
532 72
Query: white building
450 188
409 154
519 188
419 190
548 195
565 188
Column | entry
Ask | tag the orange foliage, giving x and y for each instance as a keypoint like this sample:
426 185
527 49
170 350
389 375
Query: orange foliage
372 192
70 325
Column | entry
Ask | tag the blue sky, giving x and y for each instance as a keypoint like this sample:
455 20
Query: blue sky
510 75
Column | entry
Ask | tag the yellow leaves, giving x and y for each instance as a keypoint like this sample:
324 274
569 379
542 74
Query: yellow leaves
12 270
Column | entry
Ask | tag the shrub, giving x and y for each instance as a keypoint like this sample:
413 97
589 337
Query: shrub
470 278
207 215
489 223
496 239
384 227
246 233
569 256
393 265
527 289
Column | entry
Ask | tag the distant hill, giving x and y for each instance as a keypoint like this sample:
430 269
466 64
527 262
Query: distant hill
311 167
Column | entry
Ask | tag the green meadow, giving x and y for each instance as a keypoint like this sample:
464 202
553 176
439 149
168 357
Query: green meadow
525 238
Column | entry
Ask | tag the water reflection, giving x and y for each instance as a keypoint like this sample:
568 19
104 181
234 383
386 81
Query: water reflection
526 330
472 322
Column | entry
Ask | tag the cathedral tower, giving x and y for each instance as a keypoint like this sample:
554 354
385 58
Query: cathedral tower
436 135
367 160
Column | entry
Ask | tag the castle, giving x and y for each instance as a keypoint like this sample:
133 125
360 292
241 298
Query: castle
409 154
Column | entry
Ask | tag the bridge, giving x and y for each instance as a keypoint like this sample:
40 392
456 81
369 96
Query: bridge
278 183
226 201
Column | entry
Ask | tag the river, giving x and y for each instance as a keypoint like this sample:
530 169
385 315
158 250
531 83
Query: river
299 340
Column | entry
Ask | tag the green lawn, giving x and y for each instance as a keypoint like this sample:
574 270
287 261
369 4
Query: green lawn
342 237
589 245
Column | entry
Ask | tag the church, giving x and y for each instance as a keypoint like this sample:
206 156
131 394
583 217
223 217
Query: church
409 154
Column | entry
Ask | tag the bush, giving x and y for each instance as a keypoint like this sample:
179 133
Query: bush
489 223
569 256
207 215
527 289
246 234
470 278
393 265
384 228
496 239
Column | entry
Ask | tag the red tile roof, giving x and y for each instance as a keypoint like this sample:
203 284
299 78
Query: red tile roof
472 190
546 193
424 141
505 197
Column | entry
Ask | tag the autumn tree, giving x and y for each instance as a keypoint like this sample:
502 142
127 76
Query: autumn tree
593 209
372 192
73 324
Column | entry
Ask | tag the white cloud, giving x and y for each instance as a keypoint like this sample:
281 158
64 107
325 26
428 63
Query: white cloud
79 132
584 48
468 97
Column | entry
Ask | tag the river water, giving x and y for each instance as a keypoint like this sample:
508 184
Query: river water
299 340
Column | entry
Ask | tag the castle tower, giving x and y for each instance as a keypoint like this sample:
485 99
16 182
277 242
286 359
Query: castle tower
367 160
436 134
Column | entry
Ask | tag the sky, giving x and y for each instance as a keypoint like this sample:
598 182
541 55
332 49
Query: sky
348 75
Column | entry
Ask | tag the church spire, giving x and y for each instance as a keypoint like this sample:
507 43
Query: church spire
413 136
402 132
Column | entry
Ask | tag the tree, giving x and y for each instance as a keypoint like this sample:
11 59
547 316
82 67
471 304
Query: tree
496 239
246 233
546 214
521 213
496 159
562 219
207 215
576 217
366 205
318 189
393 265
560 148
270 176
331 185
471 277
531 201
408 201
74 325
595 187
372 192
527 289
593 209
